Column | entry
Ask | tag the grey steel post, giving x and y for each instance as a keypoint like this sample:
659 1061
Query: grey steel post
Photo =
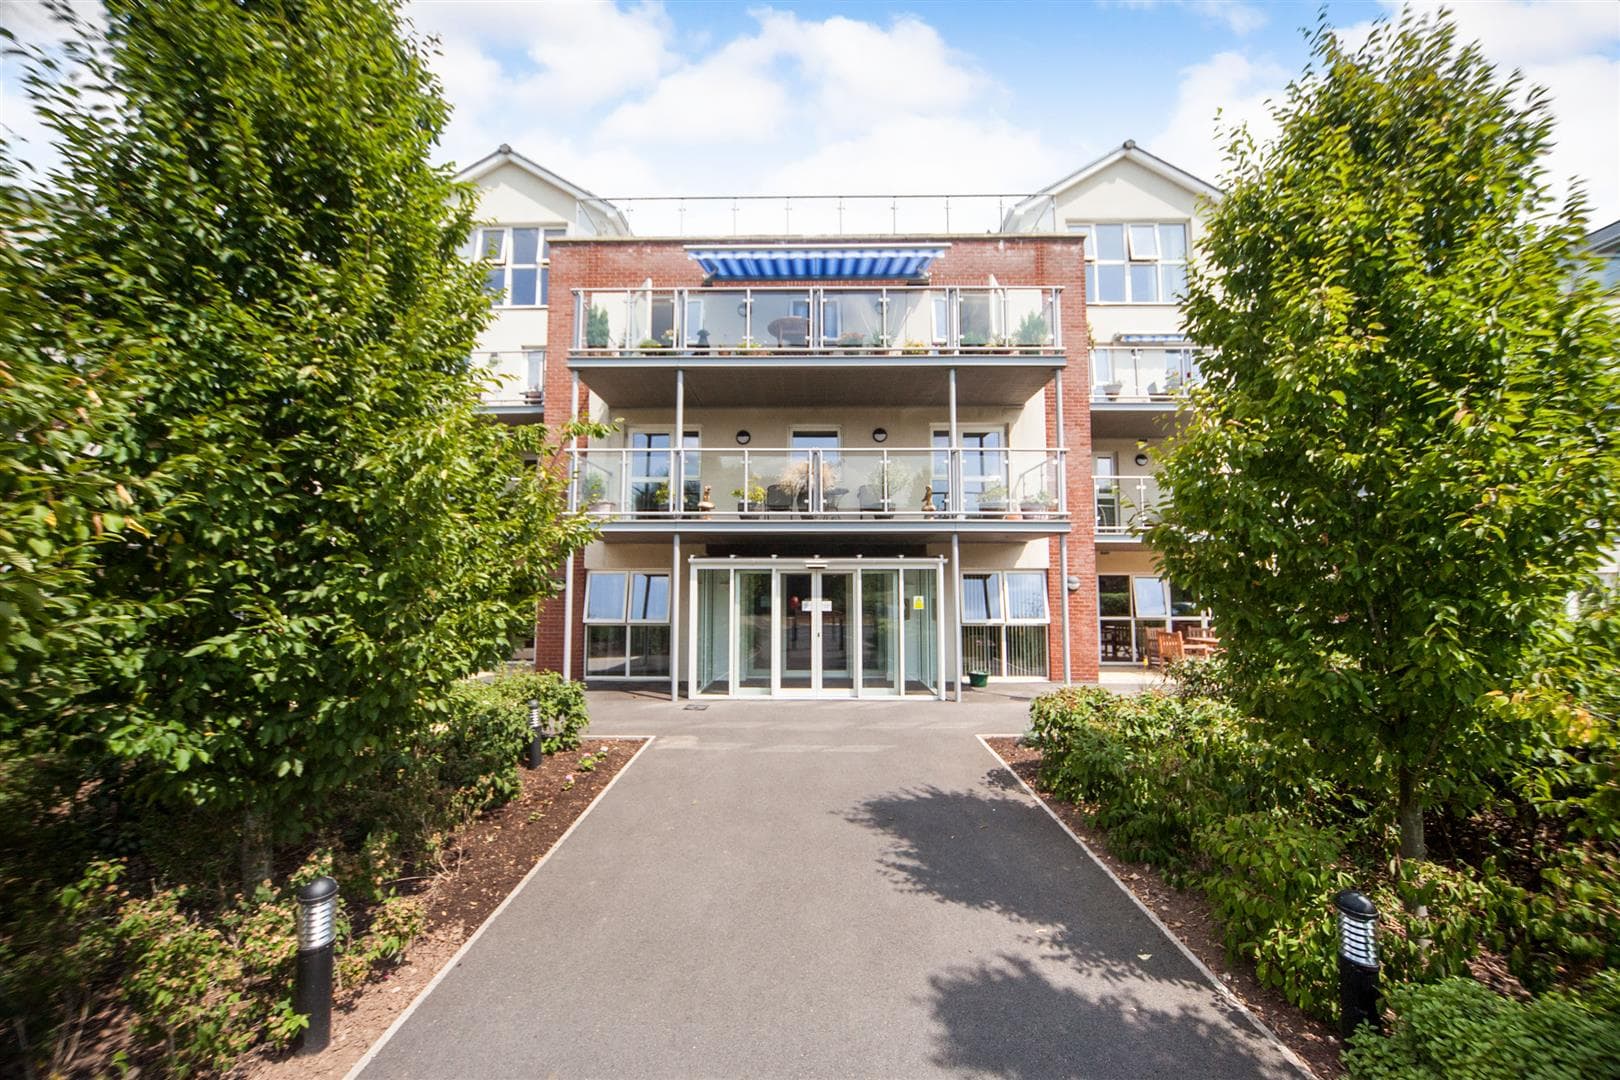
312 993
1063 541
956 592
675 619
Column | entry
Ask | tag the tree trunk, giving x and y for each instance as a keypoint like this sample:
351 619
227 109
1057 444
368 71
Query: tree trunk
1409 813
255 851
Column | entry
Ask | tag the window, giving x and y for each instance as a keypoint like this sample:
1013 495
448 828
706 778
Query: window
1131 607
1137 262
649 471
984 470
1004 623
519 272
626 624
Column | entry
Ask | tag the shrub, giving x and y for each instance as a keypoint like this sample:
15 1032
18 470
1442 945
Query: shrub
1153 767
1457 1029
1459 919
1198 677
562 704
1271 882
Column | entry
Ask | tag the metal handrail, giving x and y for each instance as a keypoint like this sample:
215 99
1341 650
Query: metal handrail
1123 504
1013 212
1049 313
815 475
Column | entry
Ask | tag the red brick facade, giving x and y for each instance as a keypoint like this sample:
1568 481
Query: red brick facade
1022 260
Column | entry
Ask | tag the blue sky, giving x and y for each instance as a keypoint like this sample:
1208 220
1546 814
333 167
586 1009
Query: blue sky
639 98
749 98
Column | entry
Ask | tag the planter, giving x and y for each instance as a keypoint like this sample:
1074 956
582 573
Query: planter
1112 389
602 506
978 679
1034 511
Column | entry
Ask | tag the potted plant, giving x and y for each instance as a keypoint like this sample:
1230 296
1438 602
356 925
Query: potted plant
978 679
749 499
795 480
651 343
851 339
1111 388
915 348
993 499
597 331
593 493
1032 334
1039 506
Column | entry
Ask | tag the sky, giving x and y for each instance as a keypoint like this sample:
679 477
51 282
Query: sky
643 97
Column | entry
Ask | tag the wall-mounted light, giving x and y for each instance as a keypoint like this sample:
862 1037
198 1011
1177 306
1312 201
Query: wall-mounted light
743 437
1072 584
880 435
1141 459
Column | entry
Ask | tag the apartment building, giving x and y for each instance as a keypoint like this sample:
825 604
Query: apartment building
862 448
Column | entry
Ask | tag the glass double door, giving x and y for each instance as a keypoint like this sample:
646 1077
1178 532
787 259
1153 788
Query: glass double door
816 630
835 632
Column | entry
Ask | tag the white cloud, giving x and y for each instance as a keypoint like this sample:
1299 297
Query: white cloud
1231 83
1570 48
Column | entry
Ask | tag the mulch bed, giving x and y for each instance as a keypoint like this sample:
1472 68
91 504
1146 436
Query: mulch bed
485 863
1188 916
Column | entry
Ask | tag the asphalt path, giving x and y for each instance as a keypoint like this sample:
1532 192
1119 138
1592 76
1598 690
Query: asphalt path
820 889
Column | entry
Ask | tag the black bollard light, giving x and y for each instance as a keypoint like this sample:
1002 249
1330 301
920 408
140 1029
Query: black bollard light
1358 962
537 736
312 996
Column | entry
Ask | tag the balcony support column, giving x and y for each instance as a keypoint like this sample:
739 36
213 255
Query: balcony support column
675 619
1063 541
568 563
953 465
677 443
956 592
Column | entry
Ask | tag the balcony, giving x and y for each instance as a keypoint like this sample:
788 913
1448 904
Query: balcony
513 380
756 322
921 493
1125 505
1135 389
818 346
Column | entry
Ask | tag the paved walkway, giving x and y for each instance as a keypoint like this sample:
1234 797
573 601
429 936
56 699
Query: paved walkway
821 890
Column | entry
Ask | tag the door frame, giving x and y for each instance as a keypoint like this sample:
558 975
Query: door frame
853 624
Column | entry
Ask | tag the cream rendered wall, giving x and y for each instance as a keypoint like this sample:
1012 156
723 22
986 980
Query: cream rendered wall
512 195
1126 191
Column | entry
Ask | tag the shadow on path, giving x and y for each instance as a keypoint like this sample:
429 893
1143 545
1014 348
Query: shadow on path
994 852
1005 1019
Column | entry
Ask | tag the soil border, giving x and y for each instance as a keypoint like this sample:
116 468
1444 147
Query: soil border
1226 992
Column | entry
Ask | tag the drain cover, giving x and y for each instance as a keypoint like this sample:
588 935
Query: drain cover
694 708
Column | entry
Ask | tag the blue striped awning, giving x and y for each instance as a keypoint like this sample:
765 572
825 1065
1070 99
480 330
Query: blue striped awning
802 262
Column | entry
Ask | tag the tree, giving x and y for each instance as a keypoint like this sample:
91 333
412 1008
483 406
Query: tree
1404 454
247 190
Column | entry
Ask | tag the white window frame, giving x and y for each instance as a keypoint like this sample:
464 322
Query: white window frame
693 462
1156 259
1002 479
1006 620
624 621
502 260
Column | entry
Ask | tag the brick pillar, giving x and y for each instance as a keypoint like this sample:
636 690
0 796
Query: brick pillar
1082 604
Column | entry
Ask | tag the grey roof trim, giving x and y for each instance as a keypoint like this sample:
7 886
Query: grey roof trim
1604 238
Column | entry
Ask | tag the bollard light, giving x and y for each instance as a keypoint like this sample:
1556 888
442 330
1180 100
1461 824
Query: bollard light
312 995
1358 962
537 735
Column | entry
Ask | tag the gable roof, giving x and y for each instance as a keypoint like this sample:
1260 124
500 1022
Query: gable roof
601 216
1027 214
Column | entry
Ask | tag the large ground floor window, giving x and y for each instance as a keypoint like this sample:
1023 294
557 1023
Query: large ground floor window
1004 621
626 624
1131 606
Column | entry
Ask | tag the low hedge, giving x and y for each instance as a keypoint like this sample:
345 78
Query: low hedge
1457 1029
1185 783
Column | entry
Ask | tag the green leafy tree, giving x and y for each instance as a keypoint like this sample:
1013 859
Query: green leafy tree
247 189
1404 456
